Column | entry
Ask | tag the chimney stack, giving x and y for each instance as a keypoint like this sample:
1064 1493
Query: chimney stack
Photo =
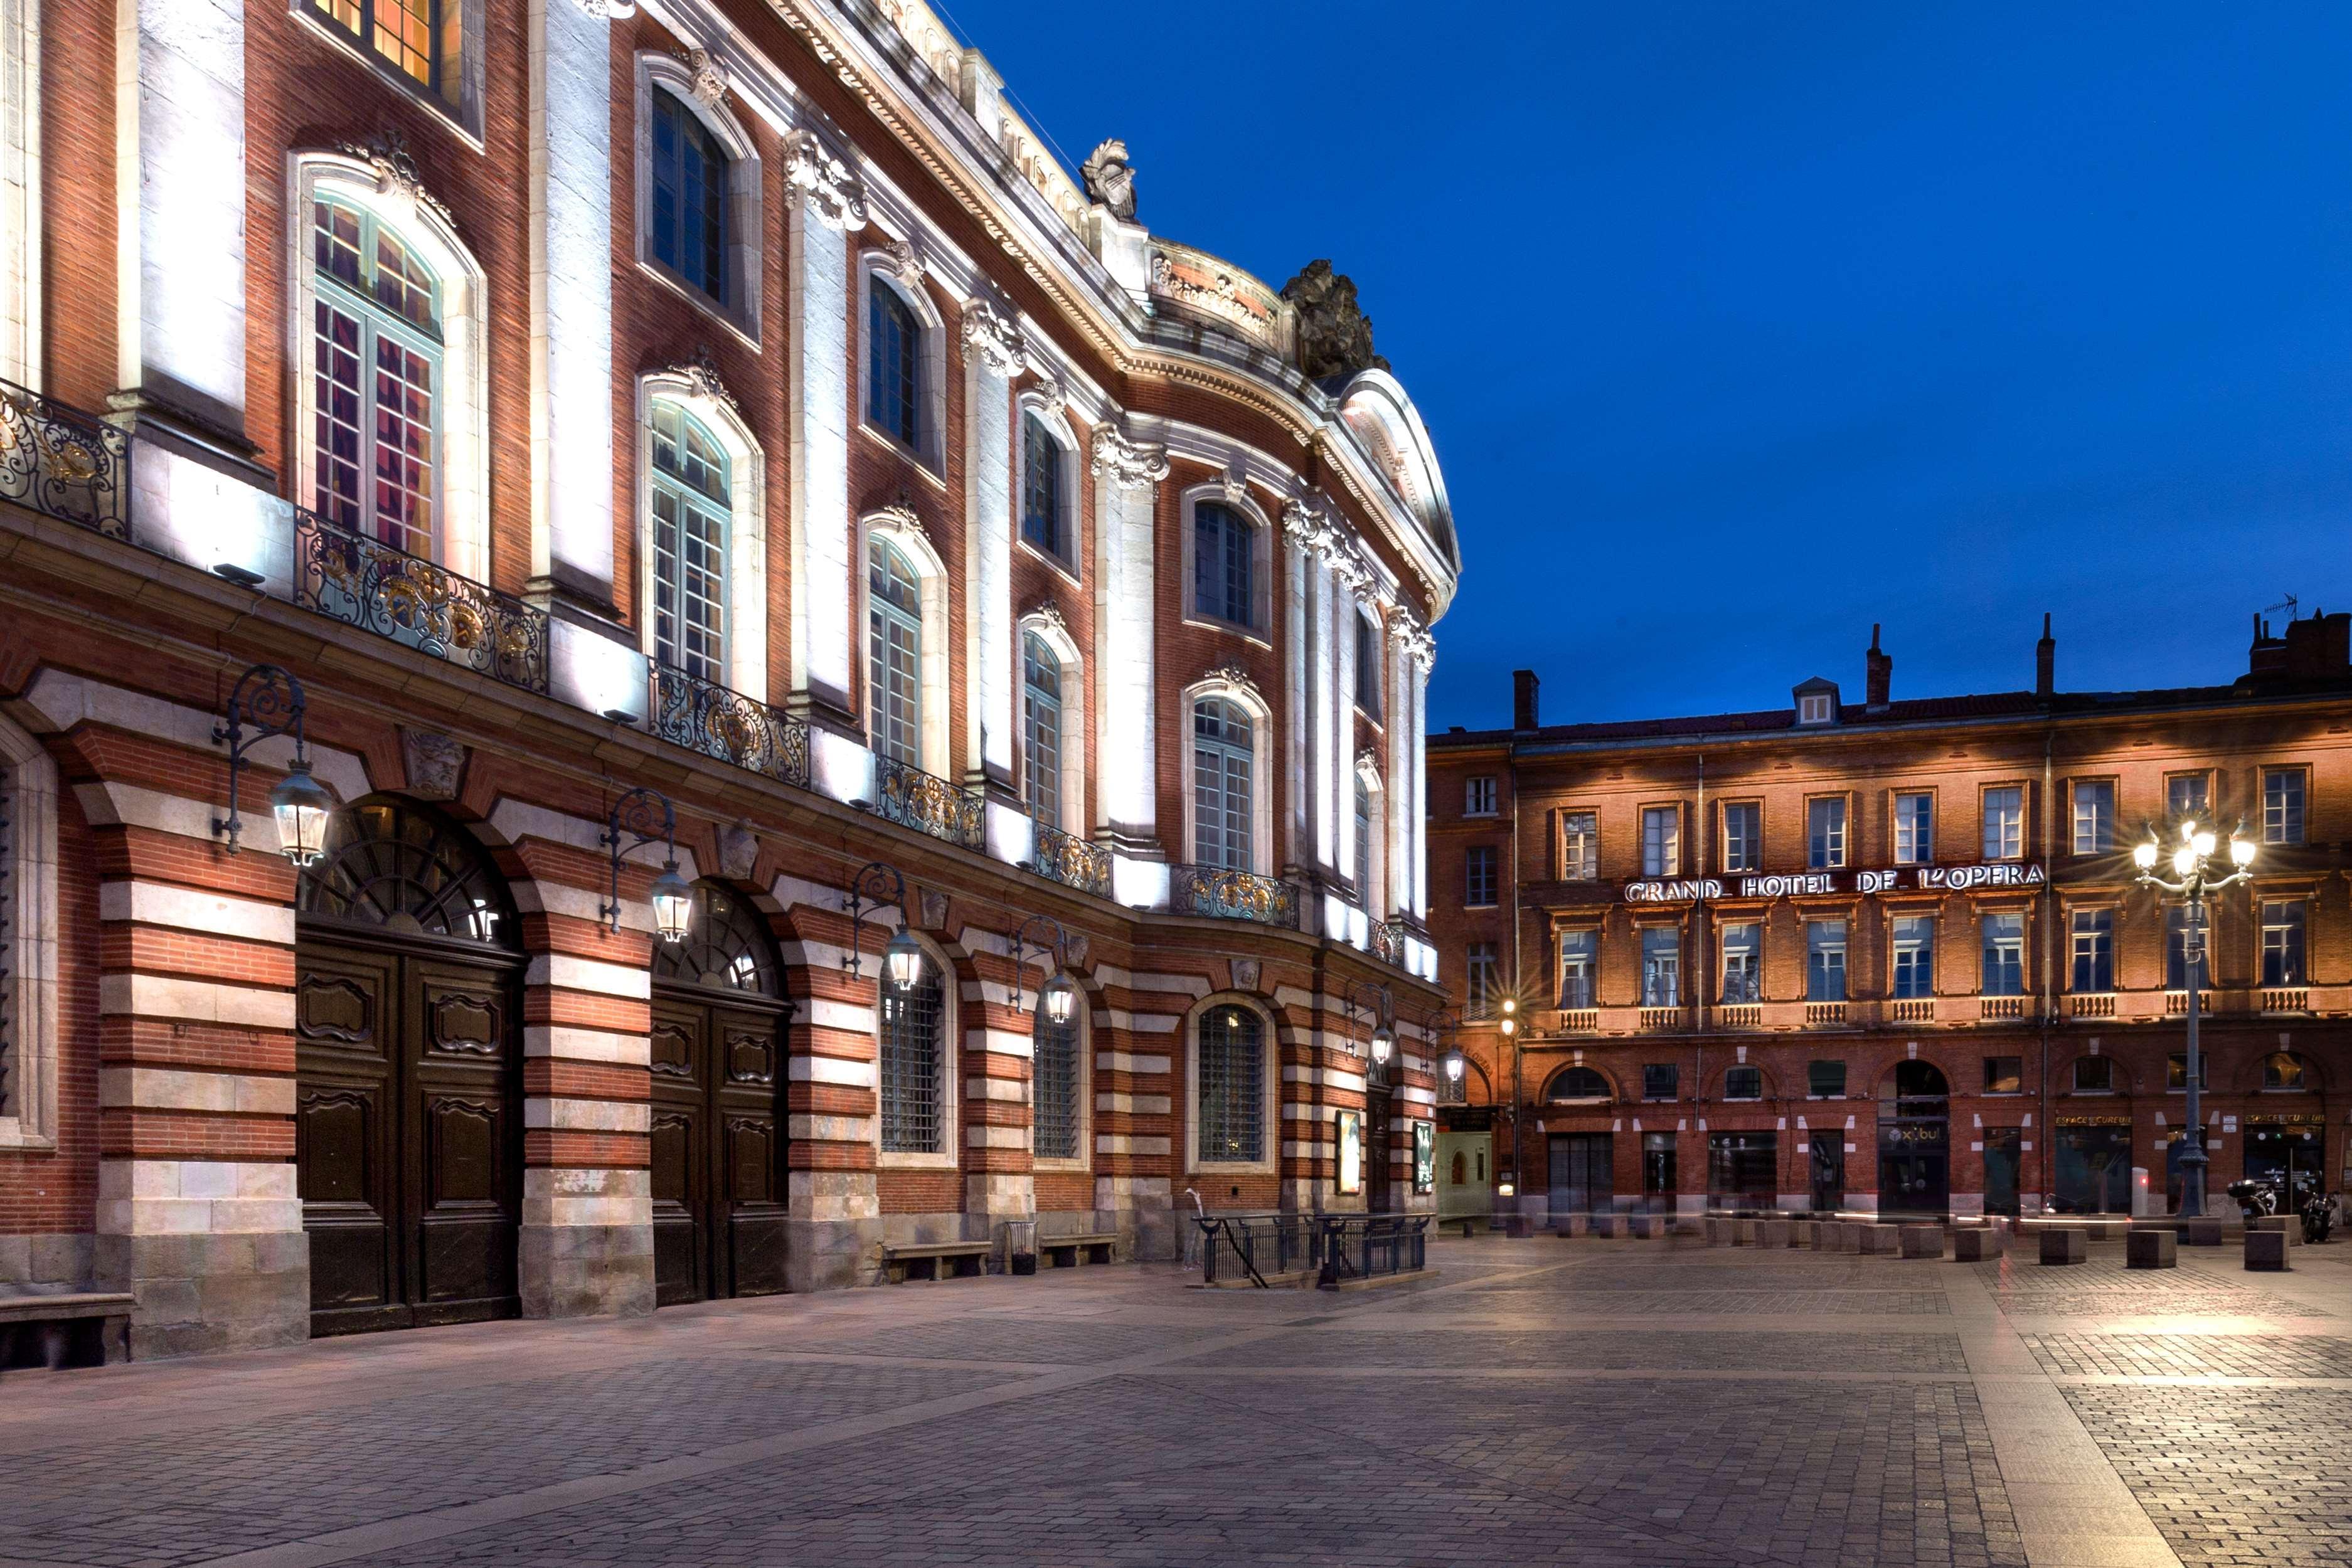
2046 663
1523 699
1879 674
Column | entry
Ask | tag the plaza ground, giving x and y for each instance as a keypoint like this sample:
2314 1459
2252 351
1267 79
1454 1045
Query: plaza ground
1542 1401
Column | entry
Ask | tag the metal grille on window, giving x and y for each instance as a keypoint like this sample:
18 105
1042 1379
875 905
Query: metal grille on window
1041 730
1056 1045
894 359
1041 488
7 949
913 1025
375 364
1220 784
690 528
1233 1085
894 665
689 197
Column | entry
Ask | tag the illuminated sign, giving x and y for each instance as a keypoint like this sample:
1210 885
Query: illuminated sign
2018 874
1425 1156
1351 1151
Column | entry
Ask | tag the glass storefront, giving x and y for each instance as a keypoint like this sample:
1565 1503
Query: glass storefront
1658 1172
2289 1154
1743 1170
1914 1141
1828 1161
2093 1165
2004 1157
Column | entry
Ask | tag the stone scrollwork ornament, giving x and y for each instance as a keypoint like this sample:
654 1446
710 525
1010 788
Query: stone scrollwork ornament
906 262
701 376
386 155
1128 465
607 10
1237 678
993 336
1110 179
709 78
826 179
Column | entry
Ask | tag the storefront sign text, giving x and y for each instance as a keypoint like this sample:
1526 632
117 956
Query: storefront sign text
2020 874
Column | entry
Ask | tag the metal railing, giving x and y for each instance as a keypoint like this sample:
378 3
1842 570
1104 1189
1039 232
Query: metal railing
1069 860
64 464
1369 1246
718 721
1262 1247
912 798
1233 895
379 588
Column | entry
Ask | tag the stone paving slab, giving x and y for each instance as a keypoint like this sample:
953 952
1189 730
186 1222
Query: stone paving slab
1374 1344
2192 1356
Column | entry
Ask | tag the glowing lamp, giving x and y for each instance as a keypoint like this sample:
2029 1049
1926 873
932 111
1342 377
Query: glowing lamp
2184 860
2242 850
1510 1026
2144 856
902 962
2203 843
2188 831
1061 998
1510 1006
1383 1044
673 898
301 806
1506 1188
1454 1067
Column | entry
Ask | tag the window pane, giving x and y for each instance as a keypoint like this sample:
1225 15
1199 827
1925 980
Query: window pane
913 1025
2283 925
1742 832
1221 586
1041 488
1480 980
1825 834
1742 963
1576 950
892 363
1662 947
2184 796
2004 824
1233 1086
1826 1079
1041 730
691 530
1580 847
1057 1078
1915 957
1825 960
1367 664
1914 830
2094 950
1743 1083
1661 841
2004 1074
1661 1080
2004 956
2095 818
375 372
2283 806
1479 875
1220 784
894 655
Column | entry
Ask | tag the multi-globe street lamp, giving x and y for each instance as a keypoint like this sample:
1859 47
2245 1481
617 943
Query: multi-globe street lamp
2193 880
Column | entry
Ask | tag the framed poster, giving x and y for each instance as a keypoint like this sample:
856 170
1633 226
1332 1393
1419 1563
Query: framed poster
1425 1156
1351 1151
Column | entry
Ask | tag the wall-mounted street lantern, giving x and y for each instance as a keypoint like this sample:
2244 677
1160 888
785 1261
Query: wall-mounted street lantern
878 883
1382 1041
639 818
2191 863
266 702
1057 997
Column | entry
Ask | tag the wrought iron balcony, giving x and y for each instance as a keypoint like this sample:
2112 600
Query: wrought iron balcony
718 721
64 464
379 588
1071 861
928 804
1224 894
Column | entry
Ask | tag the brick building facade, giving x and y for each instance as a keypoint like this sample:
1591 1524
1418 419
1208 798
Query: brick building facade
1891 954
723 398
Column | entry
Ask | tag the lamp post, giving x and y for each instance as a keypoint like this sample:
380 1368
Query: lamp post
878 883
1057 998
1381 1043
267 701
2193 881
639 818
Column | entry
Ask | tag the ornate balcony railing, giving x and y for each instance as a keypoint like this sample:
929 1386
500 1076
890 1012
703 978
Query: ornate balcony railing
1580 1021
1996 1007
379 588
64 464
1740 1015
1913 1009
1653 1020
1825 1015
2091 1005
1071 861
720 722
912 798
2286 999
1388 942
1232 896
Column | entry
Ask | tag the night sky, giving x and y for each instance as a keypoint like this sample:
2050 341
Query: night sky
1741 325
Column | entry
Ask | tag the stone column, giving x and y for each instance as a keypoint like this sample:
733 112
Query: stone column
1403 809
1322 658
1343 729
1129 475
179 142
1424 654
992 352
1297 563
826 203
572 303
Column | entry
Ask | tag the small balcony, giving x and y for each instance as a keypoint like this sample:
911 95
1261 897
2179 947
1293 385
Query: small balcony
1659 1020
1223 894
705 717
1069 860
64 464
1912 1009
2091 1005
2001 1009
1825 1015
912 798
380 588
2284 1000
1580 1021
2176 1003
1740 1015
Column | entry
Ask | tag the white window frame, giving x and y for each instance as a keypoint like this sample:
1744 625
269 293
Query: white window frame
2300 924
1263 564
1919 948
2082 794
1914 842
1273 1128
462 424
1494 854
1588 940
747 523
1674 998
1056 634
1480 787
2203 780
904 531
1840 839
2302 824
2000 848
877 269
1371 888
1988 945
1571 867
31 887
2075 936
1750 855
1843 946
1262 758
1034 404
1815 707
746 216
950 1156
1662 841
1753 949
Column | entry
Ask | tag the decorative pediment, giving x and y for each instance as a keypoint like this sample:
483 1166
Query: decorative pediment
701 376
1237 679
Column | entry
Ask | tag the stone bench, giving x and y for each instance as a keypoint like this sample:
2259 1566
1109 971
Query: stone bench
944 1259
2287 1225
1923 1240
2266 1250
2065 1244
1849 1235
1743 1233
1608 1225
1081 1247
1719 1233
2150 1248
81 1328
1978 1243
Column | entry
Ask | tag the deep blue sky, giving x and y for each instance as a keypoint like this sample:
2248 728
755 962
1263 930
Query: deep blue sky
1741 325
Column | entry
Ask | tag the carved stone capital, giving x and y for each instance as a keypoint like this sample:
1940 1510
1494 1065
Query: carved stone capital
823 177
993 337
710 84
1128 465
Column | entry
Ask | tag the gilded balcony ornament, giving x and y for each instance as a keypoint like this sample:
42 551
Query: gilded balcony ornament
721 723
1223 894
379 588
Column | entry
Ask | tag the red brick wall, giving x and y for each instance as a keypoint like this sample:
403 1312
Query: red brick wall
56 1190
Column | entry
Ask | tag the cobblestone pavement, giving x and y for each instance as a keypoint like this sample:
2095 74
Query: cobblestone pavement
1587 1402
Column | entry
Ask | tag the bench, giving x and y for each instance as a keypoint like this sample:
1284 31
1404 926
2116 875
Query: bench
966 1259
1083 1247
84 1328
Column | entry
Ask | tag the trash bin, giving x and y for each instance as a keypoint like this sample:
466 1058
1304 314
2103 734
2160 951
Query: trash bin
1021 1246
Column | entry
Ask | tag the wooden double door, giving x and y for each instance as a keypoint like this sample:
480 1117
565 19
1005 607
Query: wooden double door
719 1192
408 1133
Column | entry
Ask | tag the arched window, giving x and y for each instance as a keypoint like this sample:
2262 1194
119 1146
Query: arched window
1222 801
914 1065
2095 1074
1743 1083
690 498
1576 1083
726 947
2284 1069
894 681
1041 730
1363 873
28 942
375 367
401 867
689 197
1044 508
1059 1088
1232 1100
894 362
1223 585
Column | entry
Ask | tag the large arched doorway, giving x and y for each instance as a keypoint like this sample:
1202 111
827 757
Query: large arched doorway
408 1048
718 1139
1915 1140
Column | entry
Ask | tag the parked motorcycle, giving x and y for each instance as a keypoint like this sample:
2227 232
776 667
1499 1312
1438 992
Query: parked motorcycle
2263 1195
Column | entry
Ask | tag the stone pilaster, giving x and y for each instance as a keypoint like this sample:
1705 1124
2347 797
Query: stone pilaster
825 203
992 354
835 1214
1126 575
999 1161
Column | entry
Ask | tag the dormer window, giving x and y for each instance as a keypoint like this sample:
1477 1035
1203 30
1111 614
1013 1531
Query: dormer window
1813 708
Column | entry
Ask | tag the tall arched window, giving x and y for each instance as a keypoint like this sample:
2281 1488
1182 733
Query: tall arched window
1044 518
1041 730
1224 588
1058 1087
1221 762
1232 1100
914 1065
689 197
690 528
1363 877
894 680
894 362
375 364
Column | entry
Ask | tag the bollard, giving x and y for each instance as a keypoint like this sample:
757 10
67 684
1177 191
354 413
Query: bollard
1881 1240
1976 1246
1718 1231
2200 1232
1650 1227
1774 1233
1743 1233
1850 1235
2065 1244
2266 1250
1923 1240
2152 1249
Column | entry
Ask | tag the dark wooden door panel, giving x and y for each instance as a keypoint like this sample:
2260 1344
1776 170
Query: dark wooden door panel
463 1137
347 1164
717 1150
